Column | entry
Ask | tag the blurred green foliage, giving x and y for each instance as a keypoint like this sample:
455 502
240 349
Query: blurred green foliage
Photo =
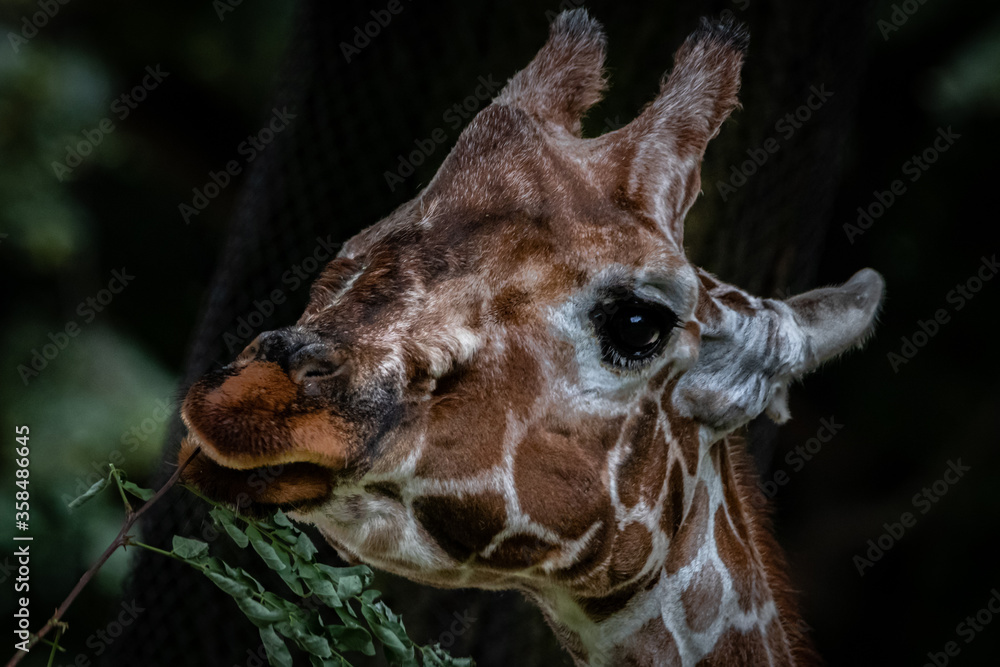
105 394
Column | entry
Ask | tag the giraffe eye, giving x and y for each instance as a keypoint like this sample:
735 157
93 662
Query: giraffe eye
632 331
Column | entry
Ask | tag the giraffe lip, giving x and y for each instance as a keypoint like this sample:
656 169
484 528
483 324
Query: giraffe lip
258 489
249 435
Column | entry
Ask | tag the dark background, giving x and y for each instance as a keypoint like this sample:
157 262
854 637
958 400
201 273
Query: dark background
101 397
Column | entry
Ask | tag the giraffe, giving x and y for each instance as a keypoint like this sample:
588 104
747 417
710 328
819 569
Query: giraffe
517 380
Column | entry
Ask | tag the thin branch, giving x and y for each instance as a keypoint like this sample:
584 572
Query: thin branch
121 540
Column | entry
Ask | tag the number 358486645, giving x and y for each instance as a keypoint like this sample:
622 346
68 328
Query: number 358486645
21 474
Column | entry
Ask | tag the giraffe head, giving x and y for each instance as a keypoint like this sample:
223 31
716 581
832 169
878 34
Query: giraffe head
508 381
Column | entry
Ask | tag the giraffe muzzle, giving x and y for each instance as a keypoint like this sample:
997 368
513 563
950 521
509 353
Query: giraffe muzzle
270 427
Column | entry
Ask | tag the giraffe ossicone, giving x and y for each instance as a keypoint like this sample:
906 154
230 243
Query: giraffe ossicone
517 380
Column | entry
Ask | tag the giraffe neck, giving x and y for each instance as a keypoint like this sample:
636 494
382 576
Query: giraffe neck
719 597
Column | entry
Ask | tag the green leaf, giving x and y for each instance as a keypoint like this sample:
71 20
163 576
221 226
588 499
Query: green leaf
330 600
291 579
235 588
348 587
265 550
290 552
435 656
351 639
309 571
292 611
211 564
315 644
287 535
322 588
138 491
290 608
95 488
335 574
236 535
305 547
189 549
241 575
258 614
260 524
347 614
227 520
388 629
277 652
431 659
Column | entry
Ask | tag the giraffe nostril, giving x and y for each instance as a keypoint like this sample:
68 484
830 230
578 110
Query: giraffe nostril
315 362
312 371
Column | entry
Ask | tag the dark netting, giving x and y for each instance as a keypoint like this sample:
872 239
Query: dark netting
323 179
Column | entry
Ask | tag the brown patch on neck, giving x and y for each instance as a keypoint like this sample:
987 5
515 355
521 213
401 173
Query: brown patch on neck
777 643
737 648
557 486
702 599
519 552
686 434
632 549
604 607
462 403
651 646
740 559
462 526
642 473
693 532
683 430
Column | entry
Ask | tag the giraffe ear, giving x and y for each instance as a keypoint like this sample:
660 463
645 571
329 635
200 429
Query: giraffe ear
751 349
830 321
835 319
565 78
662 148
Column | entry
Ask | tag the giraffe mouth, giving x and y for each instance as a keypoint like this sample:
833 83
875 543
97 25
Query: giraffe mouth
258 490
263 444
